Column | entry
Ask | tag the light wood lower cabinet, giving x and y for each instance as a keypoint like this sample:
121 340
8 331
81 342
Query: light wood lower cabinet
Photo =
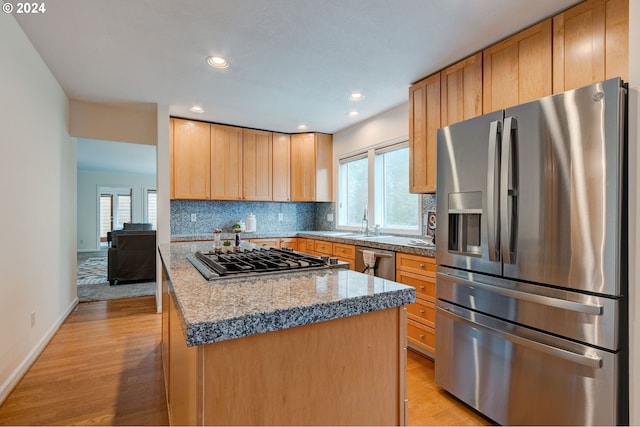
349 371
289 242
419 272
346 253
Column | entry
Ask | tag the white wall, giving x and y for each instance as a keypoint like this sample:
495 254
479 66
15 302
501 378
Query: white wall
634 210
386 126
164 191
88 185
38 215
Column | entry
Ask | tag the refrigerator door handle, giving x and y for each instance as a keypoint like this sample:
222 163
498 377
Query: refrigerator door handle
595 310
506 221
492 200
590 361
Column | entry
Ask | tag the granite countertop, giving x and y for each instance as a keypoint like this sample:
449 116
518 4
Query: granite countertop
392 243
219 310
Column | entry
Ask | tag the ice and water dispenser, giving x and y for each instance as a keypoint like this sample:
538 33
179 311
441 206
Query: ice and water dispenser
465 215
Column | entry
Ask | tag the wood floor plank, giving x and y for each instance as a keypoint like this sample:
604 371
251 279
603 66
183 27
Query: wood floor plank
103 367
431 405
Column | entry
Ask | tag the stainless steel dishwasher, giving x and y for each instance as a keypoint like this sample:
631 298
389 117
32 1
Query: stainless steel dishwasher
385 266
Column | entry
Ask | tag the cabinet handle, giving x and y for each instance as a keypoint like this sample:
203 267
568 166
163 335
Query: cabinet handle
421 311
421 336
422 287
421 265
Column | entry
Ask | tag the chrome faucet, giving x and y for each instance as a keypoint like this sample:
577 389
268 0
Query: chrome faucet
365 222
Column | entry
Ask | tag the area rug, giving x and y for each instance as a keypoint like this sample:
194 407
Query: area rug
93 284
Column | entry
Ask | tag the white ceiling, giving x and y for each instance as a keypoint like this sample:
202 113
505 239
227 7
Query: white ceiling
115 157
292 61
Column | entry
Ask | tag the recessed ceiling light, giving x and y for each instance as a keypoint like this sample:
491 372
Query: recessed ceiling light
353 113
196 109
356 96
303 127
217 62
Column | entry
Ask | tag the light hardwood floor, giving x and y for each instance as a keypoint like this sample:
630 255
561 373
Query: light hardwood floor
104 367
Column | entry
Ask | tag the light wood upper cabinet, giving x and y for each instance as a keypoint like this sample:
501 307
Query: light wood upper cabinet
461 86
424 121
311 167
226 162
257 151
518 69
281 167
190 171
590 44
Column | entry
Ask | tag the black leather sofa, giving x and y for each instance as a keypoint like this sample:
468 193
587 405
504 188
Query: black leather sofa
131 256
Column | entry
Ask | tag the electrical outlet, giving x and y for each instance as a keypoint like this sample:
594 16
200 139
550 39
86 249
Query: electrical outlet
280 216
330 217
193 217
33 319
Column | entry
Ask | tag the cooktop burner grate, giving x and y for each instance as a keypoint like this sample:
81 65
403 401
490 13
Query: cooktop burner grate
214 265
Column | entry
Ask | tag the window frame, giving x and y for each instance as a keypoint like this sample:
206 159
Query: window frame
372 203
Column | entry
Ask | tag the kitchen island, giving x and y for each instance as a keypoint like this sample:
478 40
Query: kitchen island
322 347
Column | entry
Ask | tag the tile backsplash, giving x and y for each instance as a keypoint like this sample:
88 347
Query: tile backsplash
271 217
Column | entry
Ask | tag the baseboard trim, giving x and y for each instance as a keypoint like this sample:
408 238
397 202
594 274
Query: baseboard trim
7 387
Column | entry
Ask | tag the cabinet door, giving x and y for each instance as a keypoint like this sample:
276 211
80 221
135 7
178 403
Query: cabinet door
257 162
281 167
289 242
424 121
518 69
590 44
226 162
461 86
190 159
303 167
324 167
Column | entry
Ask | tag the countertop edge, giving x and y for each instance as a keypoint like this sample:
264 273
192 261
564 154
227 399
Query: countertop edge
258 323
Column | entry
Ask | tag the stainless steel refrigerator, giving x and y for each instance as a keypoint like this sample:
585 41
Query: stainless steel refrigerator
531 313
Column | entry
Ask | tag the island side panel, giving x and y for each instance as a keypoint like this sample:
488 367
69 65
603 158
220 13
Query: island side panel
347 371
184 376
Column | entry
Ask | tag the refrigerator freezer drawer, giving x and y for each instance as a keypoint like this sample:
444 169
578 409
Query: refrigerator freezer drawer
518 376
590 319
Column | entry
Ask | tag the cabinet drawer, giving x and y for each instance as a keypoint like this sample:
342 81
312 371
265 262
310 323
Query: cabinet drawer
425 286
323 247
274 243
351 261
344 251
416 264
421 335
302 244
311 245
422 311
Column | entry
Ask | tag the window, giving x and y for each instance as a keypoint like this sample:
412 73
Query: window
353 190
151 208
378 180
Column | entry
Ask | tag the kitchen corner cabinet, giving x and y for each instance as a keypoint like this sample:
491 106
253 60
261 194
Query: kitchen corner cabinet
190 171
226 162
311 167
590 44
419 272
257 164
461 90
518 69
424 121
281 170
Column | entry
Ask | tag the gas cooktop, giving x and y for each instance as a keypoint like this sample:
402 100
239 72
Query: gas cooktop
248 262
